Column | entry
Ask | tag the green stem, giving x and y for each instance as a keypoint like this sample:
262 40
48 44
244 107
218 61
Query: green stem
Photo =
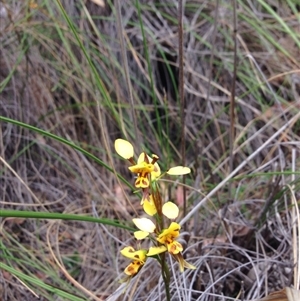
166 276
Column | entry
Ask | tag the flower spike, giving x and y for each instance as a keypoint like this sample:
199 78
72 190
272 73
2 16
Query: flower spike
147 172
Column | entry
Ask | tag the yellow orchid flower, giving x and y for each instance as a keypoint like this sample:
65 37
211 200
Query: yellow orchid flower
143 170
138 260
167 238
146 226
143 157
147 170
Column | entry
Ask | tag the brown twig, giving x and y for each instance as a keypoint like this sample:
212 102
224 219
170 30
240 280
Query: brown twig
181 93
232 97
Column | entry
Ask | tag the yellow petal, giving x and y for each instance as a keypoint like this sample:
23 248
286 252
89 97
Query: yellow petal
174 227
170 210
133 268
124 148
179 170
141 182
142 167
140 234
168 235
156 250
156 173
174 247
126 251
142 158
148 197
149 208
182 263
189 266
130 253
144 224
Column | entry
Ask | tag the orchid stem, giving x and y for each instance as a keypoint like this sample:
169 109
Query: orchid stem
166 276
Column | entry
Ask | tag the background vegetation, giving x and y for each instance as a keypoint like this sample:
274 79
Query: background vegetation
76 75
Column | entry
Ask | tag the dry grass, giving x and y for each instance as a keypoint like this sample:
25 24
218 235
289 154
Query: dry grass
244 247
